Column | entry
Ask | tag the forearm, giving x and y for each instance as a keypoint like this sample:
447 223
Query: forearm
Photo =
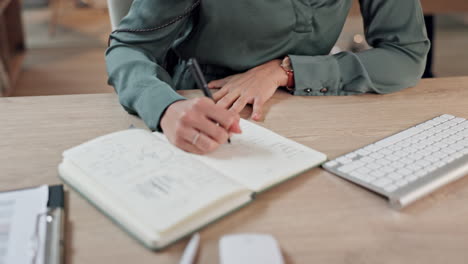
395 30
138 52
143 86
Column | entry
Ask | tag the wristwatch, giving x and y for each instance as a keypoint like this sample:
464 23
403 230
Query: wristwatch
287 67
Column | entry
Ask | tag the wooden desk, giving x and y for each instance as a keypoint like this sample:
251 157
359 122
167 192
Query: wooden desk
433 7
317 217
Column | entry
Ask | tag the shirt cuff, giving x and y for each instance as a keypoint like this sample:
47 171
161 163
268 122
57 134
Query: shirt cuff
152 103
315 75
339 74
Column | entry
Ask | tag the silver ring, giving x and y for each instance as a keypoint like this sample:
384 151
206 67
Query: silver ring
195 138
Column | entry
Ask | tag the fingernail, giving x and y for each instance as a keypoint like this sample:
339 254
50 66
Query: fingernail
235 128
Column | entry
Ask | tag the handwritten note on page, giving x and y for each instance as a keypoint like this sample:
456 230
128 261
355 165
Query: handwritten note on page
258 157
144 171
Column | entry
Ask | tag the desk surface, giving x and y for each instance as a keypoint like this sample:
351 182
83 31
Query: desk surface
317 217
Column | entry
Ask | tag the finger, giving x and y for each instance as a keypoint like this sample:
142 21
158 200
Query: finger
257 112
187 146
226 119
218 83
228 99
211 129
239 104
220 94
235 128
205 143
195 141
183 142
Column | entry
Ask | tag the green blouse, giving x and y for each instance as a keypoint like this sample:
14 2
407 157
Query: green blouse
229 37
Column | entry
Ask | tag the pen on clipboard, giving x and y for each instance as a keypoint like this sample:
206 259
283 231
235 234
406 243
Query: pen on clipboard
55 226
200 80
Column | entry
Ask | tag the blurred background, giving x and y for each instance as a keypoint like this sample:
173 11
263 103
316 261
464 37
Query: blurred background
52 47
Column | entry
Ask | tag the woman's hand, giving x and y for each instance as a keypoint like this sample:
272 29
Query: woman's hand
255 86
192 125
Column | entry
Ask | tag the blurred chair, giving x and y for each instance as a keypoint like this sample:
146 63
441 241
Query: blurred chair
118 9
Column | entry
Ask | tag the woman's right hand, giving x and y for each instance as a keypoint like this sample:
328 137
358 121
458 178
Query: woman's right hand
192 125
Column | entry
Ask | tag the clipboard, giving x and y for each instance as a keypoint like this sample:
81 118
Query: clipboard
46 230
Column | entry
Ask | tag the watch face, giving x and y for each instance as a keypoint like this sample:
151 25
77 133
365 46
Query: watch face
286 64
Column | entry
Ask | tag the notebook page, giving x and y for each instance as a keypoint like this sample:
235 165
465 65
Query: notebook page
259 158
145 172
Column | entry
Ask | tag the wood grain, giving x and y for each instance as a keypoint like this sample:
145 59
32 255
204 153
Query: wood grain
316 217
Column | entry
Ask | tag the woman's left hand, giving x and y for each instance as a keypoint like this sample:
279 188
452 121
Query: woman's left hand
256 86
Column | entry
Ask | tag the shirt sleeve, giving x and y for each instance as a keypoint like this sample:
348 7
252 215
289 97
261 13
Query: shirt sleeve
397 34
135 60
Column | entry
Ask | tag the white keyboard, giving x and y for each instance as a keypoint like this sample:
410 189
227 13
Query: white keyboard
413 163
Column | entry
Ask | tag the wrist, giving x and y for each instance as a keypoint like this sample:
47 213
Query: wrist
286 66
166 115
281 77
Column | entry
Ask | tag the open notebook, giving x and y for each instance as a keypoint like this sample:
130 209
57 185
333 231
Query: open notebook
160 194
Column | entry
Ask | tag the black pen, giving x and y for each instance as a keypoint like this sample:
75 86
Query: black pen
200 80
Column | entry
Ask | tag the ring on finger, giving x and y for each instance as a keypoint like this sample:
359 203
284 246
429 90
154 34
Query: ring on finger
195 138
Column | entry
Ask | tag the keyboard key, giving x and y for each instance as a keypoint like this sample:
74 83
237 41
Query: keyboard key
440 155
373 166
395 176
363 170
344 160
403 171
400 154
357 175
373 148
385 151
431 159
377 174
392 158
362 152
382 182
447 117
367 159
421 173
397 164
412 178
401 182
331 163
458 120
376 156
456 147
351 166
413 167
448 150
422 163
407 161
387 169
383 162
390 188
